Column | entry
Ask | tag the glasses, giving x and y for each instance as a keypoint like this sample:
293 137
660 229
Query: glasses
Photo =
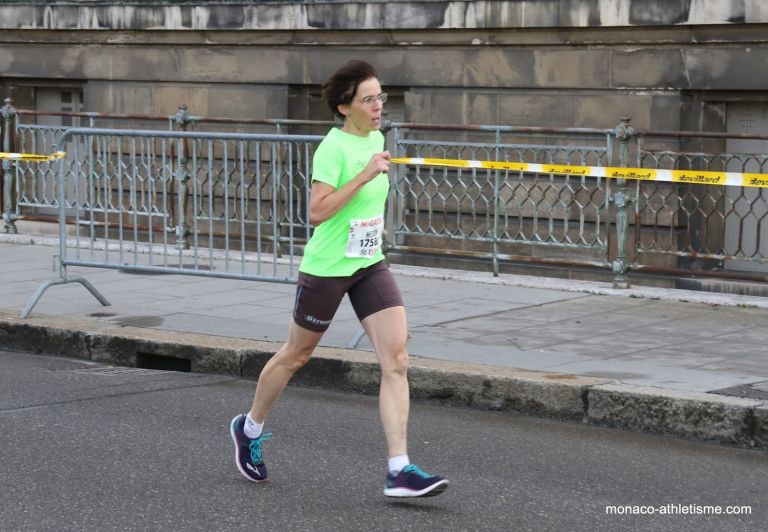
368 100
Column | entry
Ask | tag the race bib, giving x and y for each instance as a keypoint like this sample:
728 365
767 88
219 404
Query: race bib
364 237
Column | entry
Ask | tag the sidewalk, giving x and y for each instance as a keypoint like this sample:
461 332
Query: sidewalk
618 355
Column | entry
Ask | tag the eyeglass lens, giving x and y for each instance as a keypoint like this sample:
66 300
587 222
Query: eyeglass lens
368 100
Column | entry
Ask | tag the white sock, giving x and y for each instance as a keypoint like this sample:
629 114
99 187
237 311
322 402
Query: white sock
252 429
397 463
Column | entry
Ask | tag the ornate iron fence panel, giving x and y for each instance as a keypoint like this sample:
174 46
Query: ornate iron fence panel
501 213
700 227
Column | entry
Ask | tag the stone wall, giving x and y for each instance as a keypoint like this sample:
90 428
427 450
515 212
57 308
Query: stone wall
668 64
545 77
372 14
543 62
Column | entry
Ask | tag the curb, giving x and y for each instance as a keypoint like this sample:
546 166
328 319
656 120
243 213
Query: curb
600 402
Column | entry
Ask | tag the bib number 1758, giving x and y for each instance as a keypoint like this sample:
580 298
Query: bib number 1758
364 237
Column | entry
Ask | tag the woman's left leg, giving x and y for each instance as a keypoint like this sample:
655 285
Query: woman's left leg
387 330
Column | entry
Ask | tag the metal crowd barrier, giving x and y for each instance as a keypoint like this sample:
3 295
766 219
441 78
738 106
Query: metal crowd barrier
207 204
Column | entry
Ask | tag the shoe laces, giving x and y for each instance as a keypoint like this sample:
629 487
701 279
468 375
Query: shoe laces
412 468
255 447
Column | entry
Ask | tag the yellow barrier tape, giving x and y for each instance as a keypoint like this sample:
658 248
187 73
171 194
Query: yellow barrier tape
695 177
32 157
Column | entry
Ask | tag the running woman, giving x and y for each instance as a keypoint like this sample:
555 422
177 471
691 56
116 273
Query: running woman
343 256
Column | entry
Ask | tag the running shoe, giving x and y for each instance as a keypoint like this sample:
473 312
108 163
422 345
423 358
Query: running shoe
413 482
248 455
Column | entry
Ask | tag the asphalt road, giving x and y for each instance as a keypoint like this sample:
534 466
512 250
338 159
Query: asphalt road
84 447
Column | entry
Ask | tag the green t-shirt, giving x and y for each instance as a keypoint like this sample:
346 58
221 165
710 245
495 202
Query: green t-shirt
339 158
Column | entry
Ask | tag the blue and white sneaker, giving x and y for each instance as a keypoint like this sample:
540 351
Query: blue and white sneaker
248 455
413 482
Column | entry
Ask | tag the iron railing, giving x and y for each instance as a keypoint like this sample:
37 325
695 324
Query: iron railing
489 214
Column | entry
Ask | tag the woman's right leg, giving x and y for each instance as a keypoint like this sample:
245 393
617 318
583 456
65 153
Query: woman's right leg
293 354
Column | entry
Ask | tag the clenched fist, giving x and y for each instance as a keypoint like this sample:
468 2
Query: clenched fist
378 164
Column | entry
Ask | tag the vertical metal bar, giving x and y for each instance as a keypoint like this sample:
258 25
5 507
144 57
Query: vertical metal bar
211 155
195 199
398 198
149 156
290 208
225 157
60 182
9 191
607 201
76 177
624 133
167 176
243 194
275 210
257 179
182 230
638 226
92 184
4 132
105 193
496 206
120 200
134 201
180 193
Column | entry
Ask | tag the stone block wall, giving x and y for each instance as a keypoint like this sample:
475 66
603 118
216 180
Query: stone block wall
669 65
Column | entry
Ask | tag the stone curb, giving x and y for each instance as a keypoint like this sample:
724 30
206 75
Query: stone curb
601 402
698 416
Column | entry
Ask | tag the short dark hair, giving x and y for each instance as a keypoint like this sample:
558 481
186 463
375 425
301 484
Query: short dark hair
341 87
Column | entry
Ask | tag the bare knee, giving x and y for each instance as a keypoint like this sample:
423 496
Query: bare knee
395 364
291 357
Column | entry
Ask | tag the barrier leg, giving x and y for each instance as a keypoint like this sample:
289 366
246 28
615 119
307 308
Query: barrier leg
356 339
92 289
53 282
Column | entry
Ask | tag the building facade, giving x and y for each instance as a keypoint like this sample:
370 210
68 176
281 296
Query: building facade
682 64
669 65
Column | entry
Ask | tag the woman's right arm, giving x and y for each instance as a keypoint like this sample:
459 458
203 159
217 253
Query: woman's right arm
325 200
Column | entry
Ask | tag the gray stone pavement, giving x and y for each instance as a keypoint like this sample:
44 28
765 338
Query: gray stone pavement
651 337
673 340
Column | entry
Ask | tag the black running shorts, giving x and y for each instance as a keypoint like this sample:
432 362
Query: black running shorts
370 290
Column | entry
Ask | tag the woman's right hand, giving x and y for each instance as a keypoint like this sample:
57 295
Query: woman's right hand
379 163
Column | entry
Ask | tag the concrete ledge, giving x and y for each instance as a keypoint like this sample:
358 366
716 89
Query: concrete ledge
545 394
697 416
542 394
35 337
761 426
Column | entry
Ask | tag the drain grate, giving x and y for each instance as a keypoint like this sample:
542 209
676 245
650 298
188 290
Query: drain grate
119 370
